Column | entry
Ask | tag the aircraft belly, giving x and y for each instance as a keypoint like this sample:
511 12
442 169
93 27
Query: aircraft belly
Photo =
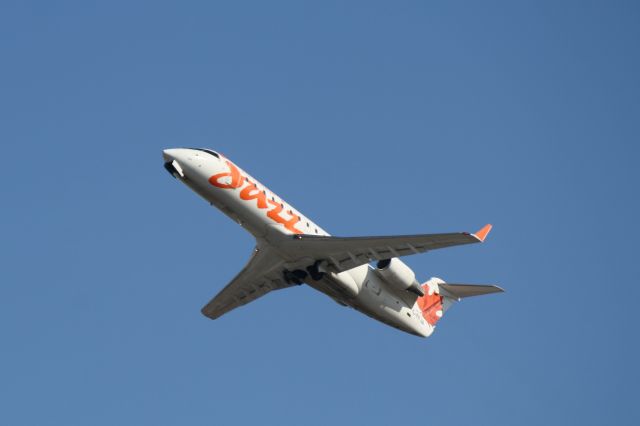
378 302
375 300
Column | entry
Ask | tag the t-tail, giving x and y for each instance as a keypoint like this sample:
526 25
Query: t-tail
440 296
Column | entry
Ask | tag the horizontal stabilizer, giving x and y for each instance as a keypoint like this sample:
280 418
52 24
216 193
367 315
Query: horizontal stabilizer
460 291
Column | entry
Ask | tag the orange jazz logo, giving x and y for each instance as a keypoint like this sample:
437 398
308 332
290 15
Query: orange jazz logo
233 179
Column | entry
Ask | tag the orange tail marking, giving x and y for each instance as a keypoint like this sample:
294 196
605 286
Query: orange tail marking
430 305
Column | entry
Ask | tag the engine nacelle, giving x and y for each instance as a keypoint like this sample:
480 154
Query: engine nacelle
395 272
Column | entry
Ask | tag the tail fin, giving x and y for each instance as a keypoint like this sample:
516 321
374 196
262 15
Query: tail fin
440 296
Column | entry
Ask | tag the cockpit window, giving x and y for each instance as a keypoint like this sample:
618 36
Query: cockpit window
208 151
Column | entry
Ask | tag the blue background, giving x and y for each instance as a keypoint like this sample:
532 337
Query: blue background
370 117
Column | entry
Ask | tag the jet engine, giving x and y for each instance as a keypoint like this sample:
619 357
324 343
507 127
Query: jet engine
395 272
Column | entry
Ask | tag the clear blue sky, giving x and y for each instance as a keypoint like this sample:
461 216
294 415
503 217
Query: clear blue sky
370 117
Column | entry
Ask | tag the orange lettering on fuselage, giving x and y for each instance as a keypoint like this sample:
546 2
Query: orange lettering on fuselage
274 215
233 173
251 192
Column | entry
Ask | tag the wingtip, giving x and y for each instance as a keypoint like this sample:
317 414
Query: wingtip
207 312
482 234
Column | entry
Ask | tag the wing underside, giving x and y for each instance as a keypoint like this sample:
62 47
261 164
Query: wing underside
343 253
260 276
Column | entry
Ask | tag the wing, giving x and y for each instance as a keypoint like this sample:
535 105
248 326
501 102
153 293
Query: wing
257 278
342 253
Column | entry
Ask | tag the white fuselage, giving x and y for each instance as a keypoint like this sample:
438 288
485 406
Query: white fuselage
269 218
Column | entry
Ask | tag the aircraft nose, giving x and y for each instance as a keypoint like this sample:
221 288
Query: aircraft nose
170 154
171 163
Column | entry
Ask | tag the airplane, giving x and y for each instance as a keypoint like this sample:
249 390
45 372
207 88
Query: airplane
292 250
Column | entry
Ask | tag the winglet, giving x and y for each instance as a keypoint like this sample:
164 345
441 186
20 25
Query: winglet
482 234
